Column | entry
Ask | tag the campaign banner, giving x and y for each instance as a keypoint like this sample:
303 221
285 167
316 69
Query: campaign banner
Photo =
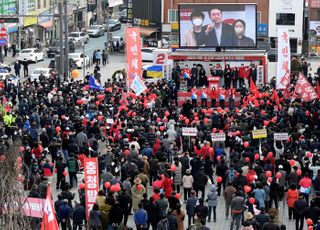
138 86
259 133
133 47
280 136
218 137
91 181
305 90
189 131
284 57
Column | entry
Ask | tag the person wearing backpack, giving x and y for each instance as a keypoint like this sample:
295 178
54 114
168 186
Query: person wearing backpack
300 207
73 168
231 174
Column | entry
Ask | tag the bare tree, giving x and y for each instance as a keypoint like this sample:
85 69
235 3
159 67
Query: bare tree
11 191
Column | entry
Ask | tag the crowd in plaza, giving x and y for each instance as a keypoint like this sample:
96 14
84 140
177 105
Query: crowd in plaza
150 170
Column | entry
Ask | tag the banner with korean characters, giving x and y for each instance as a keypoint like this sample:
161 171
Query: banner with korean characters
216 137
259 133
91 178
280 136
189 131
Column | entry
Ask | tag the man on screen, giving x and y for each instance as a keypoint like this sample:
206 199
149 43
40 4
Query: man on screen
218 33
195 36
240 38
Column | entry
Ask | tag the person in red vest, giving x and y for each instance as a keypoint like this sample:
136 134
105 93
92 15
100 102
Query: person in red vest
214 94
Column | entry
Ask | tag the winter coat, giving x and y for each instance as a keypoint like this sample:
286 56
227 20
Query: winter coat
191 205
78 214
167 186
200 179
178 175
115 215
291 197
137 196
187 181
260 197
212 197
228 194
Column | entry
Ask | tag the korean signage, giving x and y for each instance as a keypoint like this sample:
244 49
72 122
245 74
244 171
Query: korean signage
138 85
280 136
33 207
129 11
91 182
259 133
315 3
284 58
191 132
133 54
218 137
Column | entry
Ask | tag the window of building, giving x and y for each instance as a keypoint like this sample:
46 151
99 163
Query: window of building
285 19
259 17
39 4
318 15
173 15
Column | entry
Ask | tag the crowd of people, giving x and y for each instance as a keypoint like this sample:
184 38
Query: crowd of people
167 180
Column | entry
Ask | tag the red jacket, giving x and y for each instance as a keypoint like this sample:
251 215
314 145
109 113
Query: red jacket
243 72
156 147
291 197
167 185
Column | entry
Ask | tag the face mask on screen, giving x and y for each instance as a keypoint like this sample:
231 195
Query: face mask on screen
197 22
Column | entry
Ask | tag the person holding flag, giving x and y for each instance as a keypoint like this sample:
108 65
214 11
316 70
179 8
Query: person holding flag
49 220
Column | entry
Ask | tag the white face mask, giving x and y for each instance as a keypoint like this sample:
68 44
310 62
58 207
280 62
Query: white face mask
197 22
238 31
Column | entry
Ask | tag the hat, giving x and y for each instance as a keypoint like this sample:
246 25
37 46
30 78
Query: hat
280 167
249 216
137 180
67 128
188 171
109 148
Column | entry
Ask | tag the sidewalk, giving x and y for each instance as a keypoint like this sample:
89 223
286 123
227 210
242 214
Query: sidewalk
9 60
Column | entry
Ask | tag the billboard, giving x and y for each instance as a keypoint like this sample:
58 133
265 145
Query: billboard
315 28
217 25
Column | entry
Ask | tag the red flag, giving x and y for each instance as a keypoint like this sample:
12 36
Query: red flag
305 90
49 221
275 97
253 88
5 104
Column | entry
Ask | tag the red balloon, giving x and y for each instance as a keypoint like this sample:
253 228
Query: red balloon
134 114
266 123
219 179
21 149
19 159
278 175
210 110
238 133
100 118
58 129
263 112
251 200
82 186
218 158
97 103
310 228
80 102
158 119
139 187
196 119
251 178
165 119
65 173
214 130
268 173
246 144
204 110
270 154
166 113
308 154
247 159
195 114
126 152
292 162
162 128
270 179
237 110
186 121
309 221
257 156
107 185
112 188
247 189
63 117
178 196
118 187
173 168
206 120
299 172
307 113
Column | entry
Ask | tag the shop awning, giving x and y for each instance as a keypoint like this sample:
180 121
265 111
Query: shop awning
147 31
46 24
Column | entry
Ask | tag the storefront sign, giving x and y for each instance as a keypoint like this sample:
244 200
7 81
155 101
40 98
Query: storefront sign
259 133
191 132
91 181
280 136
218 137
129 11
262 29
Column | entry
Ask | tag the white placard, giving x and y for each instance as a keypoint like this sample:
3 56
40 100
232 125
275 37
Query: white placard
110 121
218 137
113 3
188 131
280 136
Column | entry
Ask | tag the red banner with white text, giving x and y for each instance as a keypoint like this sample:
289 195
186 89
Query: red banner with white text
304 90
91 181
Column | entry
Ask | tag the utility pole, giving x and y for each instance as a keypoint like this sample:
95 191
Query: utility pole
60 4
99 12
66 45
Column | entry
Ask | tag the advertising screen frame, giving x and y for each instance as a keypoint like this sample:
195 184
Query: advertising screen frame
216 4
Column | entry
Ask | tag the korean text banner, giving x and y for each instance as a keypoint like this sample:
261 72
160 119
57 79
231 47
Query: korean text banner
284 58
92 182
217 25
133 54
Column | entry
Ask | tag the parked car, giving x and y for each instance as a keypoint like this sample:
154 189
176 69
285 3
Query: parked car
96 30
113 24
81 37
80 59
30 54
47 72
147 54
55 48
